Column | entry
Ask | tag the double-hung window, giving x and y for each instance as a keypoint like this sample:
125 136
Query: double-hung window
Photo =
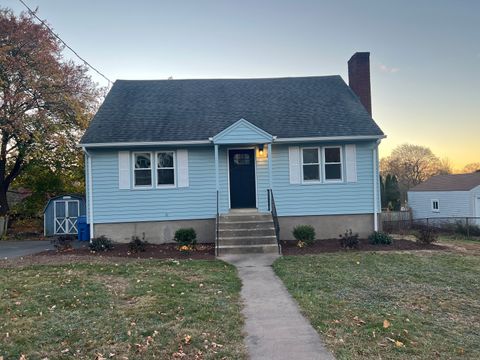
310 165
435 206
332 163
142 171
165 168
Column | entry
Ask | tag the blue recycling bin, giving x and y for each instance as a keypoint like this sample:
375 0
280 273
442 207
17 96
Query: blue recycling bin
83 229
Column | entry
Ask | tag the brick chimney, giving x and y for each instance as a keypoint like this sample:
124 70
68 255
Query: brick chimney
359 78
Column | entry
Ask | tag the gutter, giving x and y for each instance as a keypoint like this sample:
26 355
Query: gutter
90 190
329 138
210 140
144 143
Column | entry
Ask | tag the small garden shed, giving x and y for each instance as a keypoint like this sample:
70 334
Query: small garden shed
61 213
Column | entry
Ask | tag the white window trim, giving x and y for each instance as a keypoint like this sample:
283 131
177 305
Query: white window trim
309 182
438 205
341 163
152 162
166 186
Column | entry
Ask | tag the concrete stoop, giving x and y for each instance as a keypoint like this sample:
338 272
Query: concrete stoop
247 232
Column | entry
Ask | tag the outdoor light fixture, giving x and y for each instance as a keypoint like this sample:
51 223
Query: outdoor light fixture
260 149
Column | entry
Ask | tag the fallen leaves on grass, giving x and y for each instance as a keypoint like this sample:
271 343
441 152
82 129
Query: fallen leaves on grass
386 324
358 321
397 343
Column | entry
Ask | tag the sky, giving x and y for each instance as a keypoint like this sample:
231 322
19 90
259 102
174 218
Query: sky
425 54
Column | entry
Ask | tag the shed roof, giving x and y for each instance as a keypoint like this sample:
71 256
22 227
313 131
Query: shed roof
456 182
192 110
75 196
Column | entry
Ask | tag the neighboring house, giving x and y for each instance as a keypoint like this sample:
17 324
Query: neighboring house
446 196
159 152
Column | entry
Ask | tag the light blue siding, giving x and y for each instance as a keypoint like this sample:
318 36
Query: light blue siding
110 204
323 198
198 200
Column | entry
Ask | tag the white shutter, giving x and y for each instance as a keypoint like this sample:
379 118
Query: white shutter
351 162
124 169
294 164
182 165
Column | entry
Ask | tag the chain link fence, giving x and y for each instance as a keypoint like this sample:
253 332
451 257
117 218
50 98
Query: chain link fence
467 226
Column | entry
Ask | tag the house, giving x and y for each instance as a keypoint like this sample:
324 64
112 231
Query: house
445 196
167 154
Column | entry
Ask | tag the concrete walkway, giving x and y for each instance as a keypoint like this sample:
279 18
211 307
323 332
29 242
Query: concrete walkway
274 326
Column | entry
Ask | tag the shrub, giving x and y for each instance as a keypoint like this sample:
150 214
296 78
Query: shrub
380 238
63 243
101 243
186 237
349 240
467 230
137 244
425 234
305 234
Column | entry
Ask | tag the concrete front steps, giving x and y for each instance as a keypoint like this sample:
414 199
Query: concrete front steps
246 231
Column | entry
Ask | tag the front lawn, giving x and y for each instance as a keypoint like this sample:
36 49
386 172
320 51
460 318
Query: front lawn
390 305
130 310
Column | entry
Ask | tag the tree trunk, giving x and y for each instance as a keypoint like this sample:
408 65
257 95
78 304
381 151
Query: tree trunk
3 201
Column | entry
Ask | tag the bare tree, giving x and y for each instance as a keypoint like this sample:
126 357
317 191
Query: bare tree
412 165
471 168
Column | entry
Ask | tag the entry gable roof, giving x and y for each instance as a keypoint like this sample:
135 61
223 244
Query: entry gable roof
242 132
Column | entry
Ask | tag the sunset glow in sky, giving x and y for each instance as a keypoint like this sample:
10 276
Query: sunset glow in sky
425 55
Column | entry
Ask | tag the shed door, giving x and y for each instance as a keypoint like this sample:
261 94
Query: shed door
66 214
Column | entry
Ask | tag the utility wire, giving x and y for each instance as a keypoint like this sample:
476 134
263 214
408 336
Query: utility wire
33 13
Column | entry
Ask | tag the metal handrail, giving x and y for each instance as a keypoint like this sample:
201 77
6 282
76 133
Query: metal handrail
273 209
217 220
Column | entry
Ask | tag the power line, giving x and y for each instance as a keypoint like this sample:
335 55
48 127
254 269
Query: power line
64 43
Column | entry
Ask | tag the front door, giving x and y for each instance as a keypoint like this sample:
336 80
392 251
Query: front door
66 215
242 178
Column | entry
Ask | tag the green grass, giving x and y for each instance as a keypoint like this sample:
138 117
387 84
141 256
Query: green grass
459 240
134 310
431 300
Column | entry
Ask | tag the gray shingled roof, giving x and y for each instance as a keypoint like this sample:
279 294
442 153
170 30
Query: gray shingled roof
176 110
456 182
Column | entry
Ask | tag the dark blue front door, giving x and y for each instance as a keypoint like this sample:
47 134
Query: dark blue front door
242 178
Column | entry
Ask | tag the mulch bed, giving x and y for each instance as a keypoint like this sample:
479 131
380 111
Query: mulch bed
152 251
333 245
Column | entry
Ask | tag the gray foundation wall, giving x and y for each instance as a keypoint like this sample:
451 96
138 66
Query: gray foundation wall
156 232
159 232
328 226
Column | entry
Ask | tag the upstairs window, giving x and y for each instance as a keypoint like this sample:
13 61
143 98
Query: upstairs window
333 163
142 169
166 168
311 164
435 206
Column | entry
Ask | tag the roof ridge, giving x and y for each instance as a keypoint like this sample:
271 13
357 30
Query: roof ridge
233 79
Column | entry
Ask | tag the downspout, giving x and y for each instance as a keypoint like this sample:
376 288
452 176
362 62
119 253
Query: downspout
375 185
90 191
